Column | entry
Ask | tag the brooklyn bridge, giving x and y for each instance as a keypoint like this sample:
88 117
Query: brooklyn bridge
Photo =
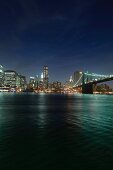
87 81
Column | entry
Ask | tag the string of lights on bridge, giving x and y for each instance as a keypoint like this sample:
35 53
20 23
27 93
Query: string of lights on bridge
86 74
96 75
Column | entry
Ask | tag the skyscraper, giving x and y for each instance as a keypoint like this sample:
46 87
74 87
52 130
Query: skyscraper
42 77
10 78
23 83
1 75
46 76
32 82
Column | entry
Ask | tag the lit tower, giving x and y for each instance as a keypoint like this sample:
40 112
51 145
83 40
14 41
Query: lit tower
71 79
1 75
46 76
42 77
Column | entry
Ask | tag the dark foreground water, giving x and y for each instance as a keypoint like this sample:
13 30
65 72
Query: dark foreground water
56 132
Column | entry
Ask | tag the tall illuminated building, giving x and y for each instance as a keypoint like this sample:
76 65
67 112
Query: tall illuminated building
71 79
37 81
23 82
32 82
45 76
1 75
42 77
10 78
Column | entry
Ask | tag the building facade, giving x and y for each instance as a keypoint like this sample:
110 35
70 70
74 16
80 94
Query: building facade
56 86
23 82
32 82
45 76
10 78
1 75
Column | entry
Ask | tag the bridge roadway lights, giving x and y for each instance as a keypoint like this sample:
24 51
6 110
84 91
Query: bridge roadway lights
87 89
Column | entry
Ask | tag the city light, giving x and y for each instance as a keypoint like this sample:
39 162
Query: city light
11 81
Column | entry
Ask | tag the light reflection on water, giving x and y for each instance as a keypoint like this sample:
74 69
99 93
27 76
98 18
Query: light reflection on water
56 131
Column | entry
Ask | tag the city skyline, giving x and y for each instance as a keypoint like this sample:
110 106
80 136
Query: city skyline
44 75
65 35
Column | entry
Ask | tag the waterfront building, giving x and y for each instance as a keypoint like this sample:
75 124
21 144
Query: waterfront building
69 83
10 78
32 82
56 86
36 81
1 75
23 82
18 85
41 82
103 88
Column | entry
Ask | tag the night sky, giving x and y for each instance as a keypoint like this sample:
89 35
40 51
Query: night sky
66 35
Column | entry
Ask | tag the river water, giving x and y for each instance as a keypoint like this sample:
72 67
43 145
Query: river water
53 132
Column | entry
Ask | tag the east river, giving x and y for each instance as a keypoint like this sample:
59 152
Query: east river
56 132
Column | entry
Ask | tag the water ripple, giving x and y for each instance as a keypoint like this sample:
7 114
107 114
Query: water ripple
56 132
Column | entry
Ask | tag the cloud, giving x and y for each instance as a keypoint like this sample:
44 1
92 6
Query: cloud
35 12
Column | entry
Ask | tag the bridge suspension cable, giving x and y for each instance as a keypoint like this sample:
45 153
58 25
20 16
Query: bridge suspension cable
78 81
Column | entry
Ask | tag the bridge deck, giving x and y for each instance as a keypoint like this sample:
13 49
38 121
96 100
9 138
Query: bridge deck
96 82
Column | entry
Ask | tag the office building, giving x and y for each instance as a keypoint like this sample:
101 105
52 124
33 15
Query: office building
45 76
23 83
42 77
10 78
1 75
56 86
32 82
36 81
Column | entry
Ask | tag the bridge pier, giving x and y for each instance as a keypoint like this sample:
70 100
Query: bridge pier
87 89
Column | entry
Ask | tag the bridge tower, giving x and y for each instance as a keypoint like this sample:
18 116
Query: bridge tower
86 88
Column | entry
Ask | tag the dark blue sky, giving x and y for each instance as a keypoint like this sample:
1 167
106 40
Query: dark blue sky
66 35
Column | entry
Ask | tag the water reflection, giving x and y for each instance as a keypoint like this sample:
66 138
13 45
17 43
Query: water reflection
41 118
55 131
